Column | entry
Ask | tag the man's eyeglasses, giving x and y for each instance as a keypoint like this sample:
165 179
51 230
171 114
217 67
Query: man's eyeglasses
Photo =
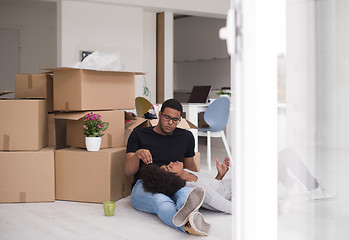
168 118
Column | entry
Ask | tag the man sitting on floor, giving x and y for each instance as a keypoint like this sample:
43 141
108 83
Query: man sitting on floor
160 145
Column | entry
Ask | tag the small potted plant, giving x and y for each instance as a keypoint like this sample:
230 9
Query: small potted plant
93 130
223 93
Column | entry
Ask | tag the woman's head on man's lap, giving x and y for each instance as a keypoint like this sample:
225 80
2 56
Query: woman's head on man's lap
159 180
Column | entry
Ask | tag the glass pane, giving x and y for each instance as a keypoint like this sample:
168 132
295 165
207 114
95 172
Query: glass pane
313 131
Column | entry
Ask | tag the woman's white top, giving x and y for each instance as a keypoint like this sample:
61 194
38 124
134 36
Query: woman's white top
218 193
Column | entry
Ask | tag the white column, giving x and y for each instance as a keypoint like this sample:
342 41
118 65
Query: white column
255 128
168 91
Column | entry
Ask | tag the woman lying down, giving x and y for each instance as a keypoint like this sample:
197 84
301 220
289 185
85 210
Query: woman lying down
168 179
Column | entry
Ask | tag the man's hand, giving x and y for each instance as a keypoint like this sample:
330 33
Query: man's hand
144 155
132 161
222 169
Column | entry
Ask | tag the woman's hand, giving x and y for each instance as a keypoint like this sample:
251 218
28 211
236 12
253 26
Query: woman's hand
223 168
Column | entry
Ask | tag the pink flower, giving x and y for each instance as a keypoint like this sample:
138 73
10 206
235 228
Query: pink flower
99 126
88 117
85 127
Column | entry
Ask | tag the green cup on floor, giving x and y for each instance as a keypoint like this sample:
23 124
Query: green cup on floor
109 208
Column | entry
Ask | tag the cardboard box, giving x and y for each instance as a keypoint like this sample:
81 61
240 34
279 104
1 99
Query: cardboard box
27 176
197 160
23 125
56 132
113 136
35 86
91 176
83 90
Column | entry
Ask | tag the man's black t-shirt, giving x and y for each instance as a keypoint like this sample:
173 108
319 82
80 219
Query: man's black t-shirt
163 148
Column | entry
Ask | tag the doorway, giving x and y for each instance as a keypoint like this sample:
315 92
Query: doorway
200 57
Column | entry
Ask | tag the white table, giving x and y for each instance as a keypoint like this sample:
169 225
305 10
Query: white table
192 110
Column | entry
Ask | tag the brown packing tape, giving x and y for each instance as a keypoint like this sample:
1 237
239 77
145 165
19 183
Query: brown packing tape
6 92
22 196
110 141
30 81
6 142
66 107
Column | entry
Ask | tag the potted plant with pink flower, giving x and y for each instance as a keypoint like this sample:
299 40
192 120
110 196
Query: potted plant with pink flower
93 130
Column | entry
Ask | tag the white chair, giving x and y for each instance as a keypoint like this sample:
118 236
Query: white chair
216 116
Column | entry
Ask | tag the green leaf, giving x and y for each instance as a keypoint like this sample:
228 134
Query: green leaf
106 125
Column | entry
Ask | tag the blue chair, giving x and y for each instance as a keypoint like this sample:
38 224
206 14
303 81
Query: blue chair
216 116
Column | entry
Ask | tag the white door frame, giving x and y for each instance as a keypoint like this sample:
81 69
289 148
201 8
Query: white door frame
254 68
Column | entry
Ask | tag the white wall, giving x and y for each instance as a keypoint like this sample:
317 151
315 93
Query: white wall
217 8
95 26
104 27
36 23
149 56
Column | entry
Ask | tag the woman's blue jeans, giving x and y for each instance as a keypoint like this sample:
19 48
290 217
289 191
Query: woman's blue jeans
159 204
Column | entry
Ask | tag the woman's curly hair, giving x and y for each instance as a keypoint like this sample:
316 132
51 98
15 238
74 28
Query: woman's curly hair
157 180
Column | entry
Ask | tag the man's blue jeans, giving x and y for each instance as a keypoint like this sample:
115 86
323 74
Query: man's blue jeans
159 204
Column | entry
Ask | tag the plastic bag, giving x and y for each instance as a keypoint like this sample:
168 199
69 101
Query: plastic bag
105 61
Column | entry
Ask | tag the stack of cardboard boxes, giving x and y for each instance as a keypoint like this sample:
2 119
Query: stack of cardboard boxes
26 163
92 176
43 155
